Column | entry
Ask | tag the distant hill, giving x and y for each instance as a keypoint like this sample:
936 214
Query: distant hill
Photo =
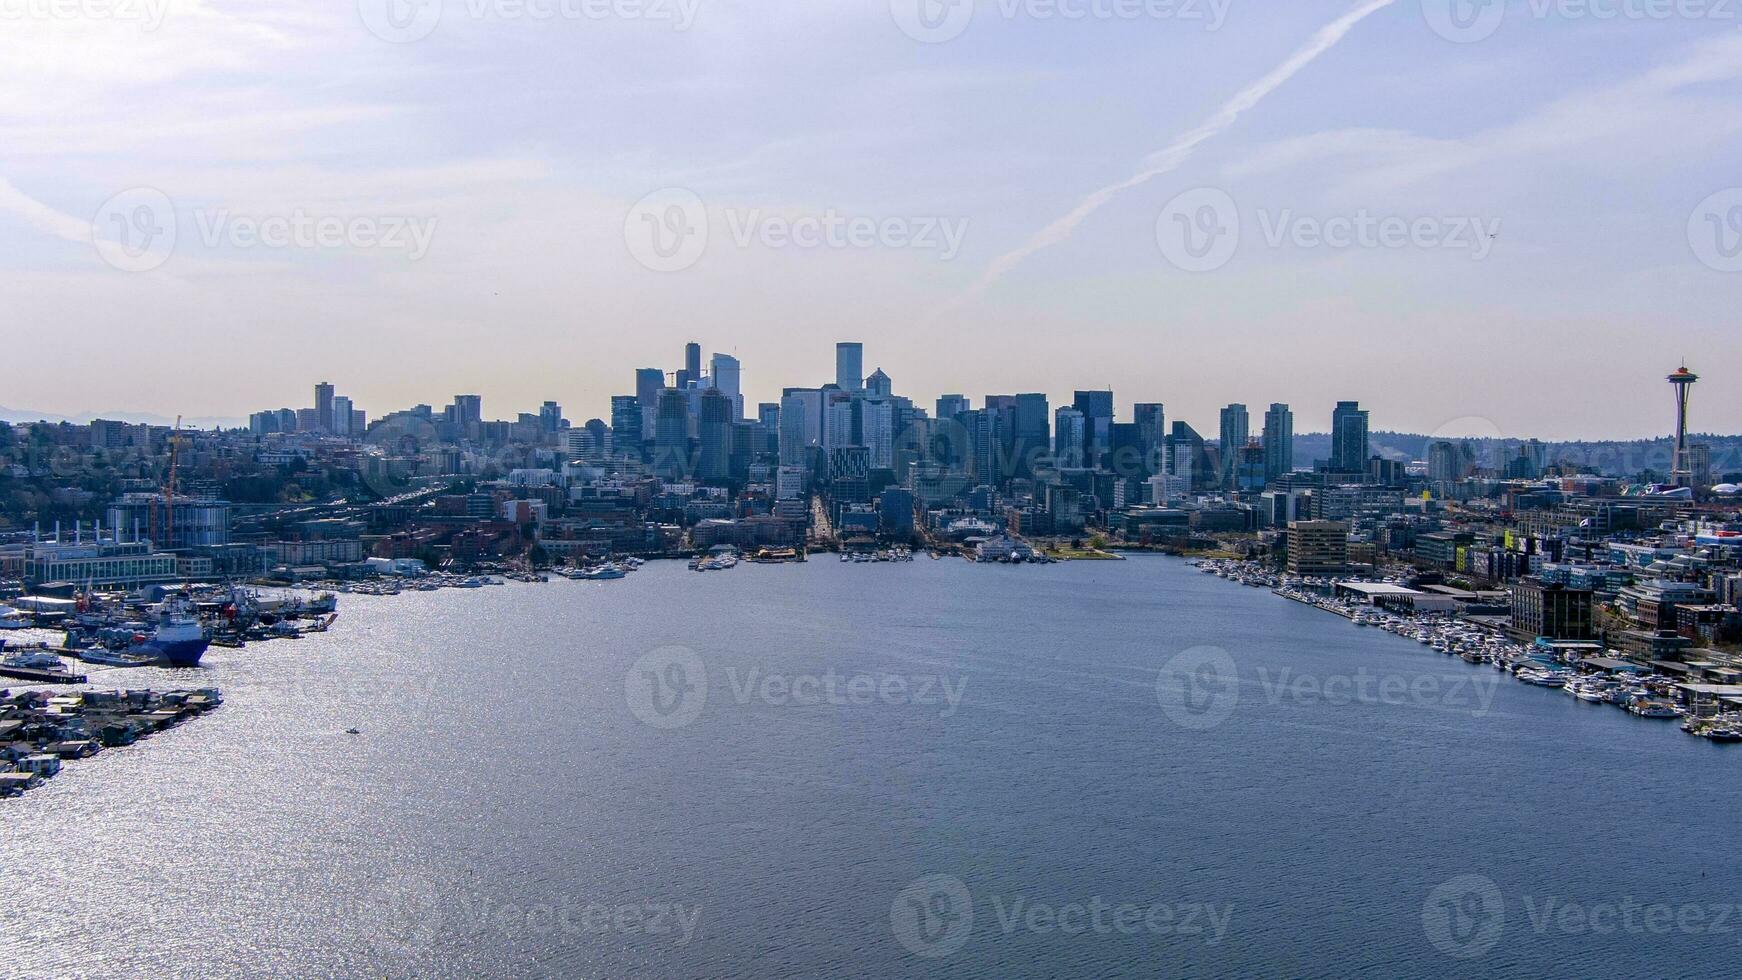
1614 457
142 418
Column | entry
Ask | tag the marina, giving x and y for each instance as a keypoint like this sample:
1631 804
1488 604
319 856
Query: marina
1592 676
39 731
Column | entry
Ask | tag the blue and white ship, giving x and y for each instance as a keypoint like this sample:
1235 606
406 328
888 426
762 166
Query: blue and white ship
179 640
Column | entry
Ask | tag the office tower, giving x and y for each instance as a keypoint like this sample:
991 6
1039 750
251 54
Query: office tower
1188 459
671 439
1349 438
324 406
877 432
1700 464
1278 442
1070 438
1249 467
1681 467
1236 432
1097 409
468 409
725 377
795 444
625 426
690 375
850 366
950 406
339 416
838 421
714 431
1151 419
878 385
550 416
649 382
1032 435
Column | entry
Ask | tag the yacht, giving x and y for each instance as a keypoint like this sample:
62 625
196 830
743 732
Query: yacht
13 619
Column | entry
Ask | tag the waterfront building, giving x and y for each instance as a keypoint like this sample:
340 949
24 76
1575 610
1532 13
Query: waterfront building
1278 442
189 523
1318 547
1551 611
101 563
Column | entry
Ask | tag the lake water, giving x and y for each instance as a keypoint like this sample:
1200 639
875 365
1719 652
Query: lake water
1091 769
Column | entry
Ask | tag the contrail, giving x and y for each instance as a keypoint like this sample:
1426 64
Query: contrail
1177 153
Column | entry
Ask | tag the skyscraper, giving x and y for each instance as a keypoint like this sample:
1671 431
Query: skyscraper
1278 441
324 405
1097 409
1070 437
468 409
725 376
950 406
1151 419
850 366
625 426
339 415
714 431
1349 438
648 384
671 441
1236 431
1033 436
691 373
878 385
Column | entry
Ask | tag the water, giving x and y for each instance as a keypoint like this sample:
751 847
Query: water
507 811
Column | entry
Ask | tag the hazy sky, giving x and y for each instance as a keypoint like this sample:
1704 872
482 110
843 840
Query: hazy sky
1510 224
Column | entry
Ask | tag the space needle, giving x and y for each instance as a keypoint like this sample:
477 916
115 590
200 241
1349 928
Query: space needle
1681 469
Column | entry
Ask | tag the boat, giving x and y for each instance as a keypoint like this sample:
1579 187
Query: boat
13 619
1653 709
1724 734
179 640
38 666
103 657
605 571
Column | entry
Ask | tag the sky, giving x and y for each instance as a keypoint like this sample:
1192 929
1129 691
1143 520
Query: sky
1477 218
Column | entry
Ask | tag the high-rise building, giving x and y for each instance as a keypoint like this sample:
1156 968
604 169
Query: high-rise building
878 385
339 413
671 438
1151 419
1449 462
648 384
714 432
1681 470
468 409
795 441
1349 450
1070 438
626 426
1033 436
1097 409
690 375
950 406
725 377
1278 441
324 406
850 366
550 417
1318 547
1236 432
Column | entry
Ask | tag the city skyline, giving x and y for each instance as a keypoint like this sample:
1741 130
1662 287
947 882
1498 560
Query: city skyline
1597 145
